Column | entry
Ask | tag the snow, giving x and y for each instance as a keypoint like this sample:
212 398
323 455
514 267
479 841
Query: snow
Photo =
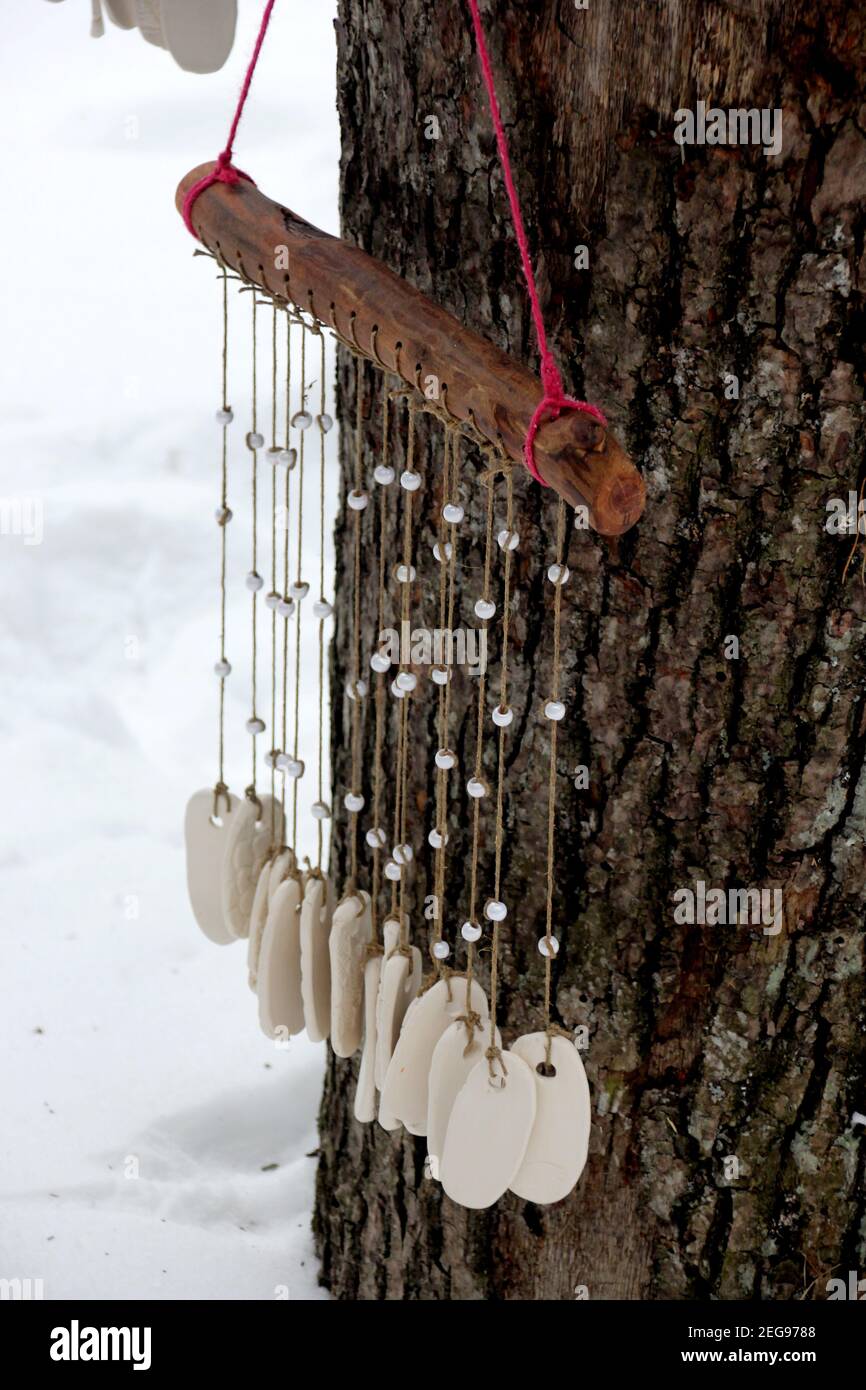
154 1143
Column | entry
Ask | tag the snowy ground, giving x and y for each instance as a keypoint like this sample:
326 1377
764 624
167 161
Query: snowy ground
154 1143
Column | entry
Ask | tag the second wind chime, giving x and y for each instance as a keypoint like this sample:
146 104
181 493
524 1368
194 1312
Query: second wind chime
344 966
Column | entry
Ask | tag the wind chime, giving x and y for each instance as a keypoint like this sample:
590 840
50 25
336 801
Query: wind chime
496 1118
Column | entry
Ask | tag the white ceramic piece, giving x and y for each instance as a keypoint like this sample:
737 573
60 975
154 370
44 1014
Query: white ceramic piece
281 867
199 33
148 19
350 933
247 847
258 918
488 1134
205 850
404 1091
365 1092
279 967
454 1057
121 12
559 1142
316 959
397 992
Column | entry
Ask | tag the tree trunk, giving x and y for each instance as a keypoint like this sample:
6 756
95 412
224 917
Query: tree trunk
707 1043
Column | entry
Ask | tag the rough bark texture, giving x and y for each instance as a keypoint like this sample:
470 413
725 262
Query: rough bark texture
705 1041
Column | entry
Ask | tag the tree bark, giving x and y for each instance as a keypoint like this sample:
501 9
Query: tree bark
706 1043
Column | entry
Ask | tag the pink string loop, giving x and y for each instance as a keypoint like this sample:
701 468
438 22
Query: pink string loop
554 400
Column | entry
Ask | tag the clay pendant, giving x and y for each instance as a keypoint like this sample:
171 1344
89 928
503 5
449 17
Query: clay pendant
365 1092
559 1142
488 1132
404 1093
315 959
350 934
272 875
205 851
282 866
281 1009
250 838
457 1052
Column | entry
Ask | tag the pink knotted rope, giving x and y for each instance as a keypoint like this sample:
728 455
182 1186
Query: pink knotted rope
554 400
224 171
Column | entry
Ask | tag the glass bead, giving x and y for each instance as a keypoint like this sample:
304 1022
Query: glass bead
322 608
485 608
405 574
558 574
299 589
476 787
453 513
380 662
375 838
470 931
445 758
402 854
286 607
383 474
301 420
274 455
255 440
397 692
392 871
502 716
440 675
320 810
442 552
255 725
354 802
225 416
357 500
292 767
223 669
325 423
555 709
223 515
436 839
410 480
495 911
407 680
272 600
254 582
548 946
441 950
271 757
508 540
288 458
356 689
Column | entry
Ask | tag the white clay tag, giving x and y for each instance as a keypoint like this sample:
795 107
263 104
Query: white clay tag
559 1142
205 851
454 1057
316 959
365 1092
247 847
281 867
488 1133
404 1093
279 975
397 991
350 934
258 917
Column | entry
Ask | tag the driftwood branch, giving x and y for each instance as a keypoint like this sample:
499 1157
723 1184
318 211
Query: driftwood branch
392 323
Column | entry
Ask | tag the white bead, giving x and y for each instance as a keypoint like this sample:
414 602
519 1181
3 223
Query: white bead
508 540
301 420
502 717
325 423
354 802
470 931
320 810
392 871
356 690
272 600
441 950
223 669
299 589
357 500
442 552
223 515
397 692
254 582
495 911
288 458
322 608
292 767
255 440
445 758
383 474
555 709
558 574
407 680
375 838
271 757
485 608
440 675
436 840
225 417
380 662
453 513
409 480
402 854
274 455
548 946
286 607
476 787
255 725
405 574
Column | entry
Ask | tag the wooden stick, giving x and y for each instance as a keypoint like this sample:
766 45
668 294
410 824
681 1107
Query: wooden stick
395 325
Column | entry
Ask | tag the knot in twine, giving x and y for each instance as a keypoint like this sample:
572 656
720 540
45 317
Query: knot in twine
550 407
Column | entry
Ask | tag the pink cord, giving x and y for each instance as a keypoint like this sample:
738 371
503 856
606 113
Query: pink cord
554 400
225 171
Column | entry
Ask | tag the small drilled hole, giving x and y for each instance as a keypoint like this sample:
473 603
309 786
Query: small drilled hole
217 822
546 1069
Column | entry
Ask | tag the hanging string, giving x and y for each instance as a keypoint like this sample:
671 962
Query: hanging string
358 689
255 725
224 170
223 515
493 1053
554 400
548 944
403 770
323 614
380 677
273 596
447 561
285 606
299 590
472 927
